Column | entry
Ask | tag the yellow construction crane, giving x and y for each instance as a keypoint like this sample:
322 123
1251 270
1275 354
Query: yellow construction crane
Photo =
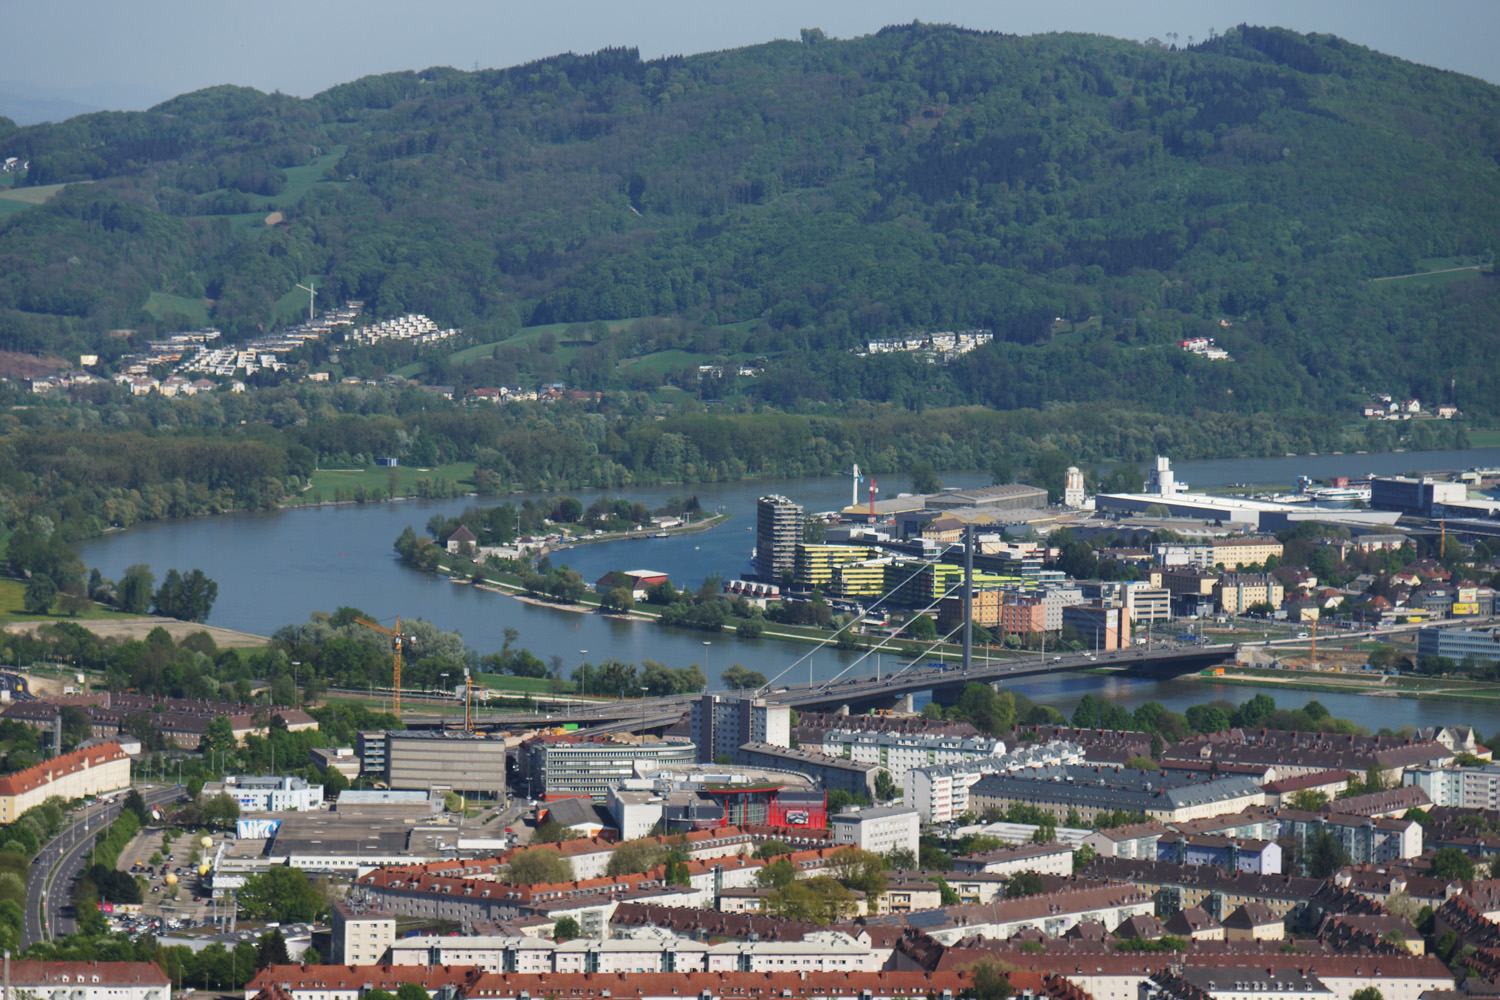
397 638
469 688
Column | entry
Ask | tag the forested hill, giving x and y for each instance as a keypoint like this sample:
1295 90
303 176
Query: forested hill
1091 200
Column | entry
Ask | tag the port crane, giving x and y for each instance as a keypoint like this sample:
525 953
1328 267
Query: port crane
397 638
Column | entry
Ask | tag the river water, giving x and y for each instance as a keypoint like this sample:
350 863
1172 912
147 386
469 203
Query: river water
275 568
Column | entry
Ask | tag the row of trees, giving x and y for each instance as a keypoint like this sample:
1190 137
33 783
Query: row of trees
997 712
607 444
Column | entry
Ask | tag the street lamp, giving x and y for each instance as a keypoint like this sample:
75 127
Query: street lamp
706 644
644 690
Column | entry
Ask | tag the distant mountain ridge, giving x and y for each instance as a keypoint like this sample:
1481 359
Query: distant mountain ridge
1091 200
29 104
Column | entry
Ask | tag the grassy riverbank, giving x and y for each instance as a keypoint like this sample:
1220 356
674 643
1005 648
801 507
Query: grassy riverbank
13 609
1361 682
377 483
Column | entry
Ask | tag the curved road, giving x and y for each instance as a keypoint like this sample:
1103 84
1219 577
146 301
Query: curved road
49 888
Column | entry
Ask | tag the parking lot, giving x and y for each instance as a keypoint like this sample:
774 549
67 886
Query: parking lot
162 908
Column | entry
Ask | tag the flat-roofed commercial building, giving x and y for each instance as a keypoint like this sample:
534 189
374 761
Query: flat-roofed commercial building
852 776
1457 643
1411 496
1010 496
469 763
1099 624
574 767
815 566
1144 602
267 794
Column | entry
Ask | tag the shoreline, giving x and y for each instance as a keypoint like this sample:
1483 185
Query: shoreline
1329 682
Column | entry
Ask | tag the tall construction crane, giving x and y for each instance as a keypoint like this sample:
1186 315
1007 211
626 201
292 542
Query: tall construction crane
470 688
396 640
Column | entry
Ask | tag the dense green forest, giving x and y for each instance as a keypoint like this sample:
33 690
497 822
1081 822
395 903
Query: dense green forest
614 223
71 469
1091 200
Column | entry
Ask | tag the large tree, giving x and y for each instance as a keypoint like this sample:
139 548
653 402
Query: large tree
281 893
538 866
39 595
134 591
635 856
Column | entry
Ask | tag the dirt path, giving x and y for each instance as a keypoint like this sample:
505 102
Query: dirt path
139 628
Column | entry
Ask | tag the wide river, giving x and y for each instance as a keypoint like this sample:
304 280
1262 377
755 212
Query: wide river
275 568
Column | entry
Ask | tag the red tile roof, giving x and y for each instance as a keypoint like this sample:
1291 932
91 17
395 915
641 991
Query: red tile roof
69 763
362 977
119 974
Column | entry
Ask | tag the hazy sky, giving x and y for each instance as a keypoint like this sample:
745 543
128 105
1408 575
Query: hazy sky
136 47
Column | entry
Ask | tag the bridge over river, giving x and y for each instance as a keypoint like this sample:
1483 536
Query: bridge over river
895 689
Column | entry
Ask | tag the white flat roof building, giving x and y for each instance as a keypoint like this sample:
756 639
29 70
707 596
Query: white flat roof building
940 792
898 753
881 829
271 794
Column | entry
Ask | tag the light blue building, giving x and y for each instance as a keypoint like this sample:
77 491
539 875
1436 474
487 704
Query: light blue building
1458 643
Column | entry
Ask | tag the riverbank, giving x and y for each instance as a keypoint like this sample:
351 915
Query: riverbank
692 527
1369 683
592 604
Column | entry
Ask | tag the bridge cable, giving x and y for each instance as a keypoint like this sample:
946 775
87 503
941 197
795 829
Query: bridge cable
762 689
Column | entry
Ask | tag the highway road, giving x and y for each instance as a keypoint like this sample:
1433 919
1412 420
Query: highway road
49 889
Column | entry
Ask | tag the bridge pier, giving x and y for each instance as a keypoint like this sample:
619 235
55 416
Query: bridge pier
843 709
908 704
947 694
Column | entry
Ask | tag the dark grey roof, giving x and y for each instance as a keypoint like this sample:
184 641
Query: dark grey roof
576 812
1109 788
